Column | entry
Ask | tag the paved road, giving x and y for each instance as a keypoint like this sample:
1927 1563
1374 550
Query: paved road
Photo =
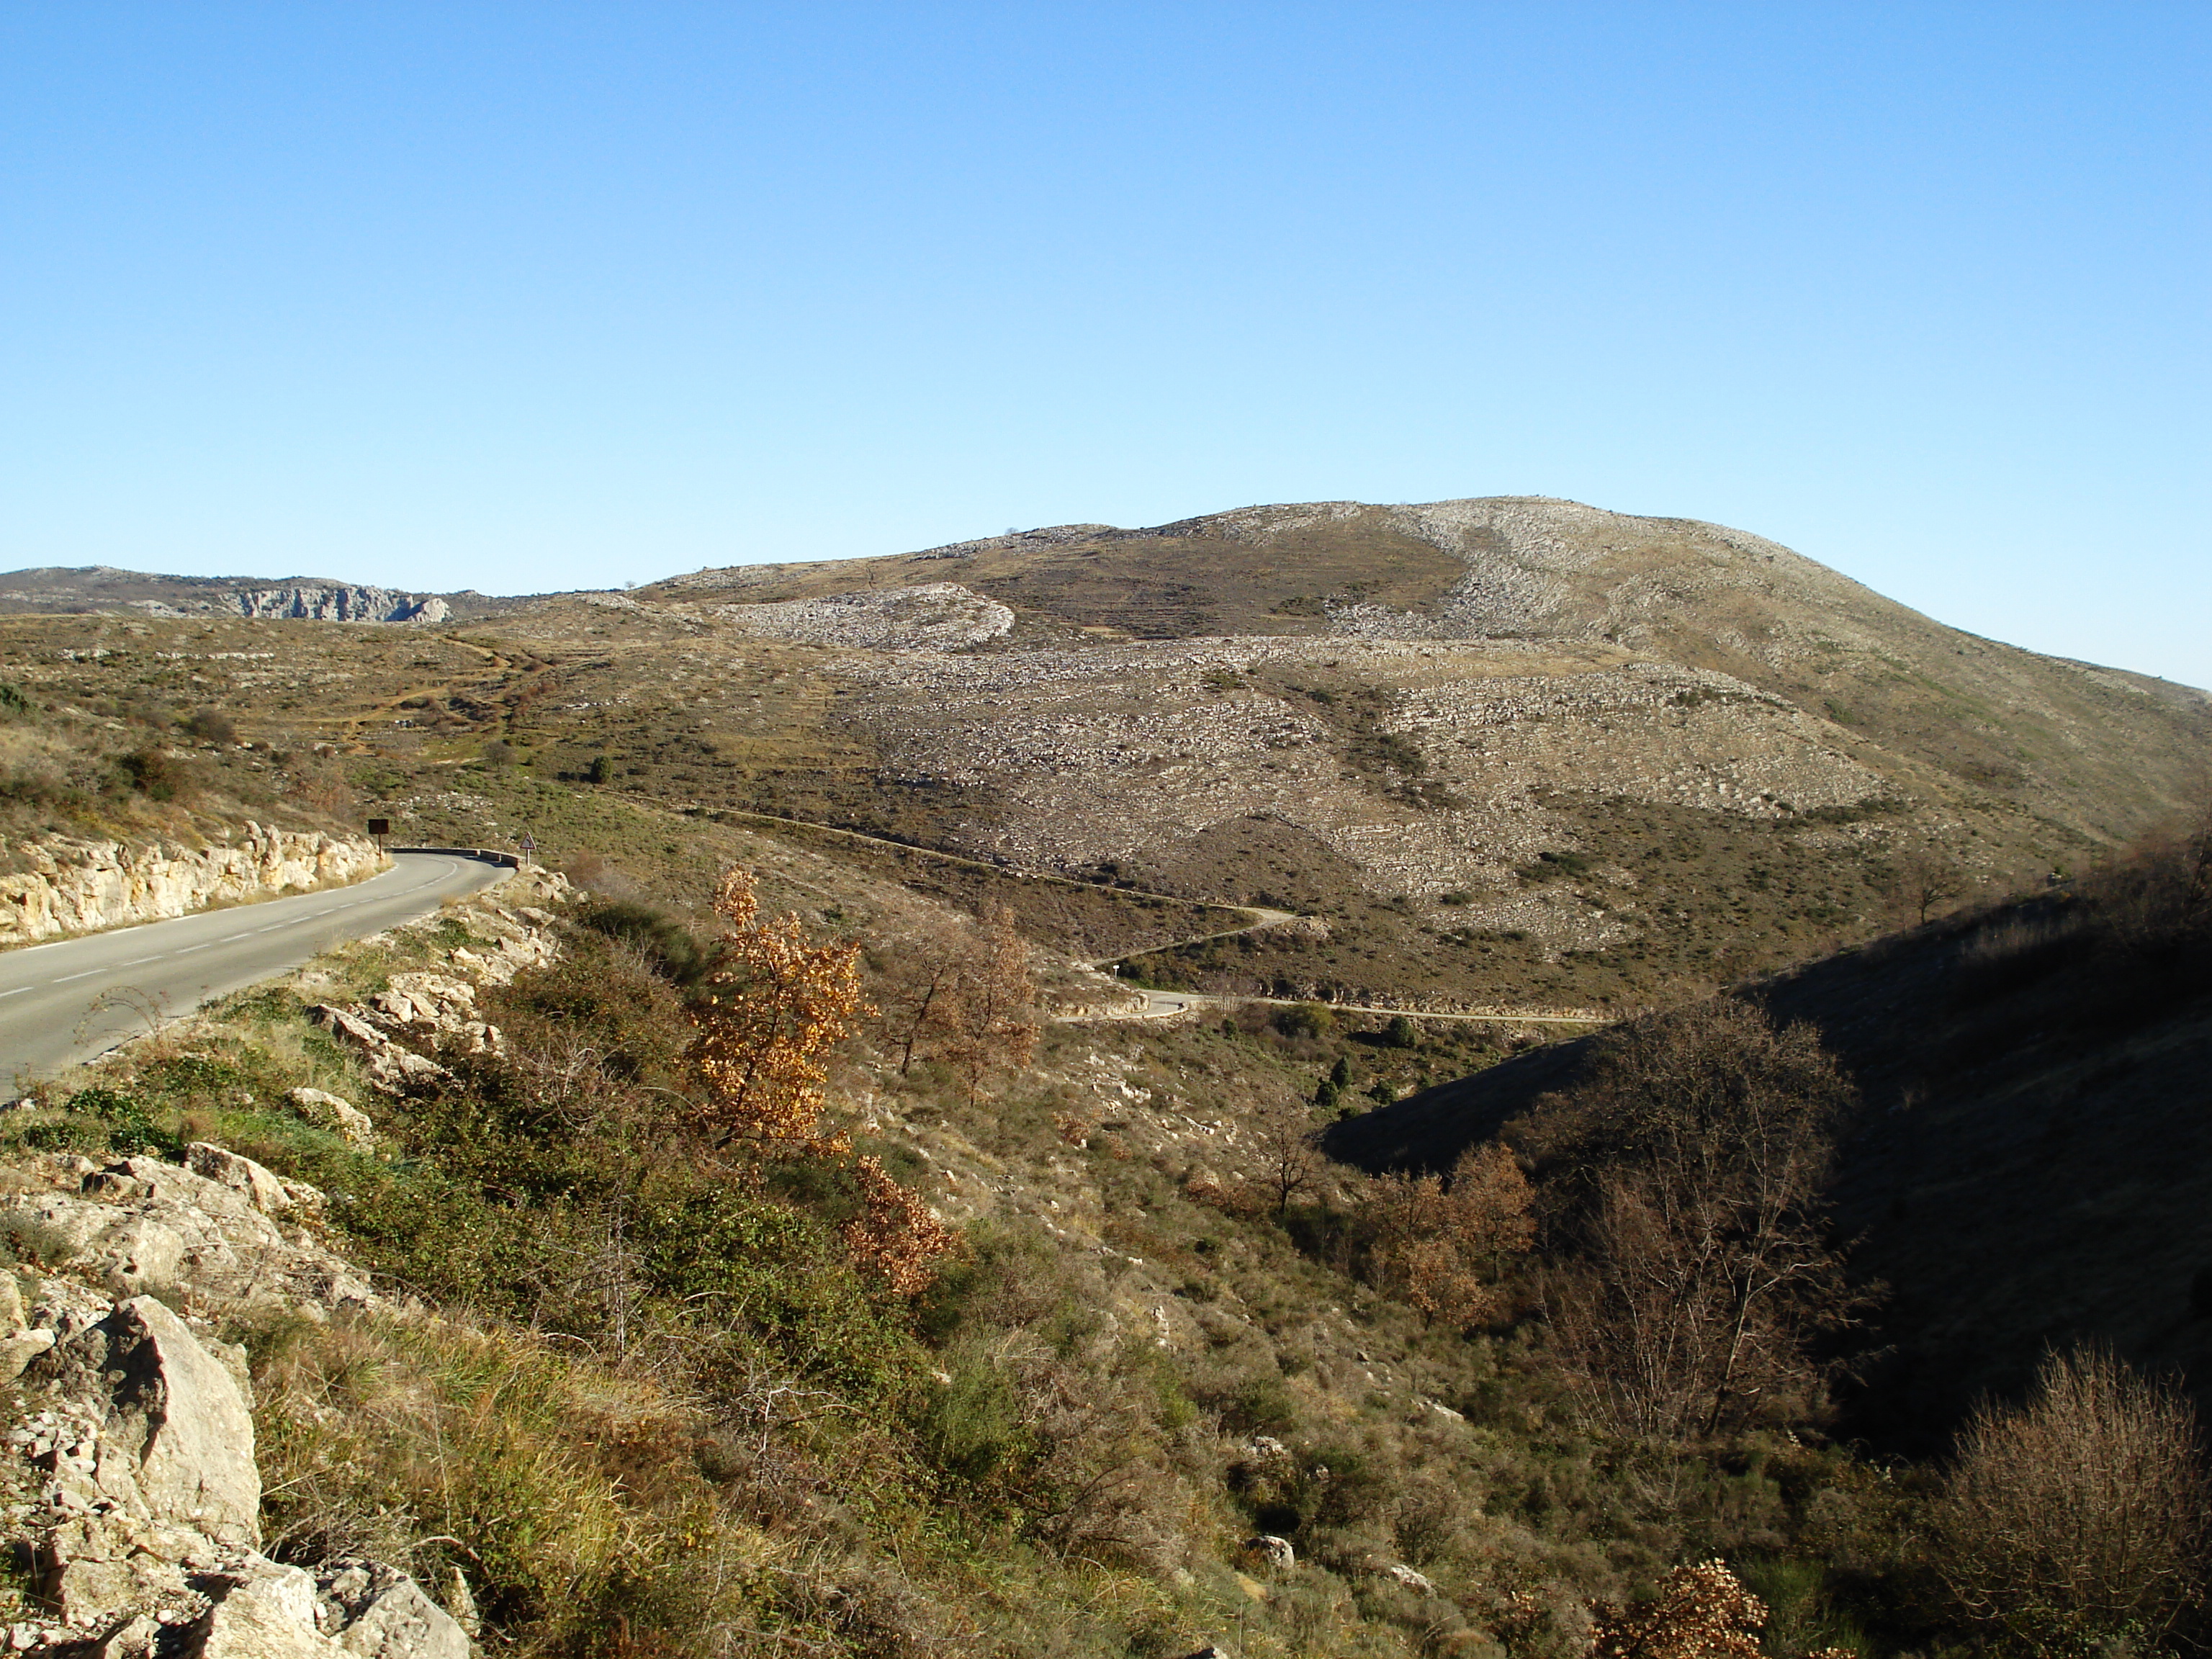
67 1002
1163 1004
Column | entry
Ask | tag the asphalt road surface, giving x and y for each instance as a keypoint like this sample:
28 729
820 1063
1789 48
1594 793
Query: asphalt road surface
67 1002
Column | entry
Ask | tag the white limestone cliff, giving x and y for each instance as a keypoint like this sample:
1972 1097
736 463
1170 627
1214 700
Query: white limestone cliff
72 886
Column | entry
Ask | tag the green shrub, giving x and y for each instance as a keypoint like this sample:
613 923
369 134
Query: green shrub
151 772
1304 1019
209 726
672 948
130 1129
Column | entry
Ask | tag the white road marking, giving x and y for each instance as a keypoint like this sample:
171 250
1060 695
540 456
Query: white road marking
17 992
87 974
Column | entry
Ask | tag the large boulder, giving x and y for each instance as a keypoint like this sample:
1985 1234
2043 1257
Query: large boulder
177 1443
259 1186
129 1252
263 1610
143 1224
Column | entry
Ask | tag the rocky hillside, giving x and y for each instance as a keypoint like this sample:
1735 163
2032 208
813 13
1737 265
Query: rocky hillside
134 1491
95 588
1502 751
1051 1337
2036 731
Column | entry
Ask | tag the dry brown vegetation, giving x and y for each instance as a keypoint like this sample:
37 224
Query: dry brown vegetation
2083 1515
1684 1187
1005 1372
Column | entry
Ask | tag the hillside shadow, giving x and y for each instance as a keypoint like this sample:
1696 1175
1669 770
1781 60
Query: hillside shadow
2030 1164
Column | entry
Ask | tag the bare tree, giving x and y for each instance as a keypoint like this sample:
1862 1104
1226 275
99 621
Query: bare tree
917 998
1692 1271
992 1018
1920 880
1284 1138
967 996
2079 1518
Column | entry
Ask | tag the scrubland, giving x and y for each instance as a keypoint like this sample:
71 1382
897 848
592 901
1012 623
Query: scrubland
972 1335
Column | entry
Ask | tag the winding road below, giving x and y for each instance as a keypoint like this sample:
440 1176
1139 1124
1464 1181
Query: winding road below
1165 1004
64 1002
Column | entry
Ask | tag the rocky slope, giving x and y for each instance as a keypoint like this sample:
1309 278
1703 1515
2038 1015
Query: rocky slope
2055 736
133 1489
1509 751
128 1479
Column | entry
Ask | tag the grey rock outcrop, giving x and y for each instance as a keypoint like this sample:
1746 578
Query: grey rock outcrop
438 1011
1278 1552
339 602
320 1107
137 1448
390 1068
143 1225
178 1434
382 1613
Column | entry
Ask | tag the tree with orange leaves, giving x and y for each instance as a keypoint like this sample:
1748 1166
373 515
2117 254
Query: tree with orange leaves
894 1233
775 1007
1441 1245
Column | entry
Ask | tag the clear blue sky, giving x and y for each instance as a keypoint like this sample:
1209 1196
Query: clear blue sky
526 296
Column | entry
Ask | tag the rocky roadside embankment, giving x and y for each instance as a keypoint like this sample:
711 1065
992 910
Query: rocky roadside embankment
70 886
130 1483
401 1028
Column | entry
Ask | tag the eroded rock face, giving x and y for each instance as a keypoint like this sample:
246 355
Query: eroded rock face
259 1186
178 1432
75 886
382 1613
338 602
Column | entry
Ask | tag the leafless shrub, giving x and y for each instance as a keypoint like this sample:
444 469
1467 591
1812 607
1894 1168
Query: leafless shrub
1286 1142
1921 880
967 996
2080 1516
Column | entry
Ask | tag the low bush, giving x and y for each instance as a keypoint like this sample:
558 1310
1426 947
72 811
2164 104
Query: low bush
2079 1519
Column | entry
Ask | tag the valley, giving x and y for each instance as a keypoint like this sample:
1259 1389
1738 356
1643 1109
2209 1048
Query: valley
1166 1141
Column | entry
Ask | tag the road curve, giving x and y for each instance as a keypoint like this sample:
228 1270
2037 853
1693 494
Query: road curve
65 1002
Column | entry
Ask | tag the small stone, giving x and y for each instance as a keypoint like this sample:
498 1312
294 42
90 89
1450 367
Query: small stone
461 1604
1275 1551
